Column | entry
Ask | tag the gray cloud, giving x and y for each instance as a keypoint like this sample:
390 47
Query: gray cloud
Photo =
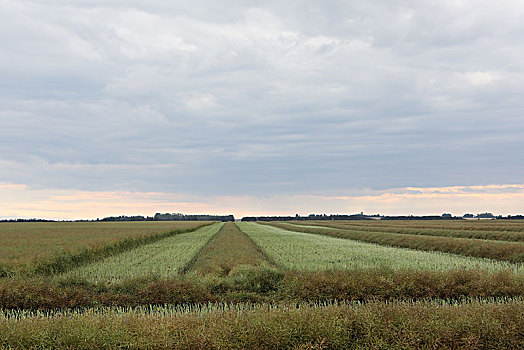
248 98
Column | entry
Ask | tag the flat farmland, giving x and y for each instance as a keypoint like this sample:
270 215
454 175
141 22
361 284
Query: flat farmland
26 244
307 285
165 258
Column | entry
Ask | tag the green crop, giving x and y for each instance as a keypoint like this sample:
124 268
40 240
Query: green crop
164 258
304 251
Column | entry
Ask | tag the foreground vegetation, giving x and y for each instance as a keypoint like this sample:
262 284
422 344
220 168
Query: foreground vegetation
472 325
505 251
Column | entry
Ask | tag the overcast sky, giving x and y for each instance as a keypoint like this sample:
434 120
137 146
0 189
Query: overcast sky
260 107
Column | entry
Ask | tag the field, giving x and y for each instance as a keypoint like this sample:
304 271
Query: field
508 232
308 285
26 245
165 258
480 248
306 251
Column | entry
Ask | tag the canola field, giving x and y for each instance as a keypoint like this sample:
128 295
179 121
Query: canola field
263 285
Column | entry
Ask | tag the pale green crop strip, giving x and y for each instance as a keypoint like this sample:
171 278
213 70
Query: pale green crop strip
305 251
163 259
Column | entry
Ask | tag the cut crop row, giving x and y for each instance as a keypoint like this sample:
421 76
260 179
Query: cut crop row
228 249
47 248
505 251
510 236
165 258
466 225
308 251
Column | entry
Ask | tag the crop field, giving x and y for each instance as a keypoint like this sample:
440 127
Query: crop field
490 249
27 244
311 285
429 230
306 251
165 258
471 225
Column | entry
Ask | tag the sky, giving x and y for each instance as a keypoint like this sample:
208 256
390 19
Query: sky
261 107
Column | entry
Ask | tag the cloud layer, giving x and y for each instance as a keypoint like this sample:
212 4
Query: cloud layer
260 99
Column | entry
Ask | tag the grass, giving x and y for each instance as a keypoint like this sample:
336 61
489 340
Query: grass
505 251
471 325
165 258
26 247
228 249
511 236
305 251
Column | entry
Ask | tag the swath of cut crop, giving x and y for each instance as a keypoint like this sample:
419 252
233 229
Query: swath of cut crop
505 251
510 236
46 248
307 251
228 249
165 258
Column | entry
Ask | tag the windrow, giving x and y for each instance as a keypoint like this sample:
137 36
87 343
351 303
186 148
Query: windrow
510 236
229 248
505 251
305 251
165 258
467 225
